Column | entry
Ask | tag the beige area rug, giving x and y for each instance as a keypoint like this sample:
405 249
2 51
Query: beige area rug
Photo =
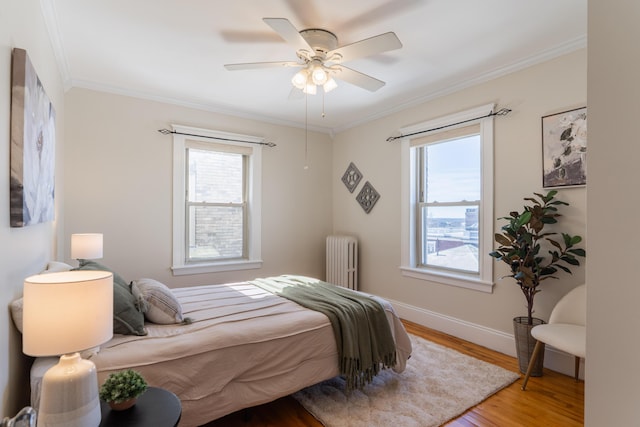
437 385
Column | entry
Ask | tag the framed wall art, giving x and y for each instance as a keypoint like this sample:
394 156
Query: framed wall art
564 149
33 134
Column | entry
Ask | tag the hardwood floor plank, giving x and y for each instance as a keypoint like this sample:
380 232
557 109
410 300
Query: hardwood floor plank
551 400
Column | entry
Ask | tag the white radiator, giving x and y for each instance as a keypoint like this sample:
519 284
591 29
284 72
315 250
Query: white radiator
342 261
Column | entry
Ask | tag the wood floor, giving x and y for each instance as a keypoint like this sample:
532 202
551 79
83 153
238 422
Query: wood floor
551 400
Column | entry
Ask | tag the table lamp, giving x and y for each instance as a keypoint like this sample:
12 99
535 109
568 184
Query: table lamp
65 313
86 246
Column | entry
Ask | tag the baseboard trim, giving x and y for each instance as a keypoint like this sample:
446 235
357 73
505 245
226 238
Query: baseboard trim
487 337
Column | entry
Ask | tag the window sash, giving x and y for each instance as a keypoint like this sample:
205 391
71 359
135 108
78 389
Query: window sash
429 242
227 248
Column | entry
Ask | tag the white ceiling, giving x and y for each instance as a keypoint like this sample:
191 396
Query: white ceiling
174 51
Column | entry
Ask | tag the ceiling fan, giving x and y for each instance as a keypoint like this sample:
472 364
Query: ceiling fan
320 58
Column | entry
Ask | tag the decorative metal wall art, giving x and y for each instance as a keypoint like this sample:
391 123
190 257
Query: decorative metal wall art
367 197
351 177
33 132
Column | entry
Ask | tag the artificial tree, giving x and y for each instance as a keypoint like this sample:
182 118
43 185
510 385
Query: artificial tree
521 245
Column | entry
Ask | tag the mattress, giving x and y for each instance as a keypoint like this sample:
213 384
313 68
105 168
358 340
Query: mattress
244 347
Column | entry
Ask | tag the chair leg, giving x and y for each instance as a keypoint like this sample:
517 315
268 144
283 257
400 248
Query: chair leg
577 368
532 363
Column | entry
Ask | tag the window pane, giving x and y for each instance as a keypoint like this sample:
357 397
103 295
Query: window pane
215 177
215 232
453 170
450 237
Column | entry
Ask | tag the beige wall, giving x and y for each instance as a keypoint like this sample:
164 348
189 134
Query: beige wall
547 88
23 251
613 291
118 170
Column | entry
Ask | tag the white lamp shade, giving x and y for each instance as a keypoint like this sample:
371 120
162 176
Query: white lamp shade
299 79
330 85
319 76
86 246
67 312
310 88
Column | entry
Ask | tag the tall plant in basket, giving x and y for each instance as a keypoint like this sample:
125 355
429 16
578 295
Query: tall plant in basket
521 246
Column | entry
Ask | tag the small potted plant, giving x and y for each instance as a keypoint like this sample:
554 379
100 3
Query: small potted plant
121 389
520 247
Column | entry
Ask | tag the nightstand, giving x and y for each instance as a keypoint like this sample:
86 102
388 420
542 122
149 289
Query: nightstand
157 407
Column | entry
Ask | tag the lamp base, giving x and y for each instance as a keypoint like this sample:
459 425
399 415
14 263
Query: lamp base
69 394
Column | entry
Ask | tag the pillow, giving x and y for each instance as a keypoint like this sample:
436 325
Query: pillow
128 318
56 266
16 312
16 307
162 305
86 264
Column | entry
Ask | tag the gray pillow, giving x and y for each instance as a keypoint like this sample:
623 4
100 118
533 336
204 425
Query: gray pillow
162 306
128 318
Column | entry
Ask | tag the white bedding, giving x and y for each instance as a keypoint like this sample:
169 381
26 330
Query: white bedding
245 347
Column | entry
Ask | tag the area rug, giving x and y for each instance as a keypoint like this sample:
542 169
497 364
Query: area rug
438 385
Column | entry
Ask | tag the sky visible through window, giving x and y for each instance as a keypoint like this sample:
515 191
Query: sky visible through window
454 173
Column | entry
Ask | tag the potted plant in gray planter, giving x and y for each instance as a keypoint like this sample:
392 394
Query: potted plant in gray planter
520 247
121 389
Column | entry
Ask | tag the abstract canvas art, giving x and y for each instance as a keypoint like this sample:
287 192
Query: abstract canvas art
33 133
564 149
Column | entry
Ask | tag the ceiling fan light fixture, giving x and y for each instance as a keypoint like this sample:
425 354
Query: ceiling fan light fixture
320 57
329 85
299 79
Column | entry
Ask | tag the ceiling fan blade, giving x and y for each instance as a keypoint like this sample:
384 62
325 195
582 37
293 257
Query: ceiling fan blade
288 32
357 78
371 46
255 65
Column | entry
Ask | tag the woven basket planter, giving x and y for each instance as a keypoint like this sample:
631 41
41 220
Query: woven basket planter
525 344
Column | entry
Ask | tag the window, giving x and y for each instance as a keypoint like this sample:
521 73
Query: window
447 186
216 202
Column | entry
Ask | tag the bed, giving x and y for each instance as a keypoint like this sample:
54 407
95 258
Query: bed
238 346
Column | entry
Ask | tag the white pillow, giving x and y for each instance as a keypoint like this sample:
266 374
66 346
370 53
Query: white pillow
57 266
162 306
16 305
16 312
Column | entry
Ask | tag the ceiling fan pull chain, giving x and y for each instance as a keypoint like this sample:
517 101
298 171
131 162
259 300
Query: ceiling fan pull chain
306 131
323 104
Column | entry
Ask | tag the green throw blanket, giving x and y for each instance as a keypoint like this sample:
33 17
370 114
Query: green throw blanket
363 335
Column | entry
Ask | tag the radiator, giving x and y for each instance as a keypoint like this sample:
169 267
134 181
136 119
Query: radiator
342 261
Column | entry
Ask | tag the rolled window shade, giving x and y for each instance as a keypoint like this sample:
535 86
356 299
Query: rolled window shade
445 135
227 148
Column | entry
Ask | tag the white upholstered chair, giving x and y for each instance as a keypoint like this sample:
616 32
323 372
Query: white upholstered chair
565 331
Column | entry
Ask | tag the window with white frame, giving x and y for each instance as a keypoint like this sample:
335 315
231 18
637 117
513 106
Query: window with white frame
447 187
216 201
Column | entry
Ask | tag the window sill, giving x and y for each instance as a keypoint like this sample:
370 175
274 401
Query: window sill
217 267
449 279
